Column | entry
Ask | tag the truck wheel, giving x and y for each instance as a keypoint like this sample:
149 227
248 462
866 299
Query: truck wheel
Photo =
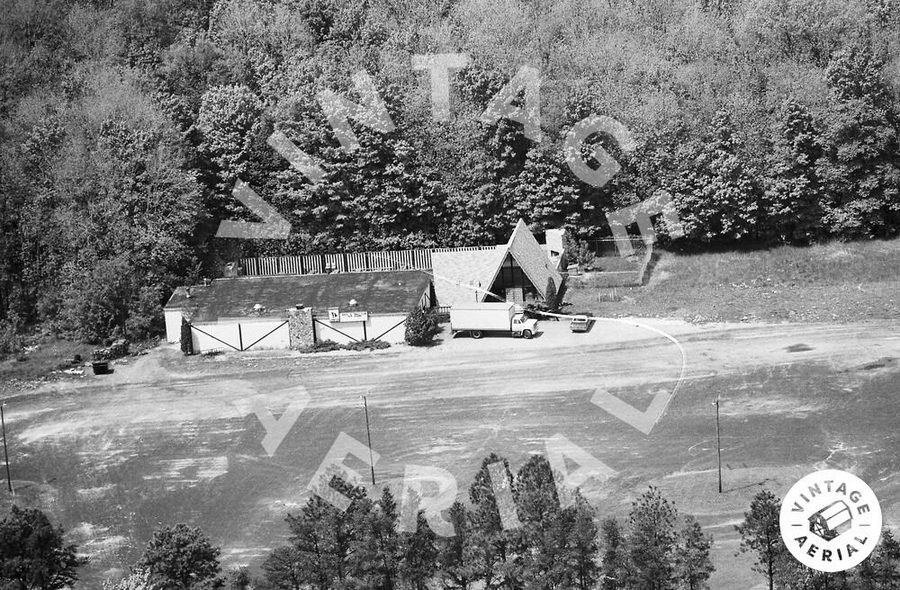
476 334
527 334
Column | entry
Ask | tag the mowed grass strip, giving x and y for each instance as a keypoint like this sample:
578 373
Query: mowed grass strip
837 282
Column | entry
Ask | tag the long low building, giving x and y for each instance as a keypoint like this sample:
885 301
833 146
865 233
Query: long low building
293 311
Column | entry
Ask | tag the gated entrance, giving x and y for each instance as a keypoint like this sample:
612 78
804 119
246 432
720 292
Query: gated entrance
240 336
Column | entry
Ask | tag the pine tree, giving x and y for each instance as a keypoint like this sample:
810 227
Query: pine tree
881 570
650 542
692 563
498 552
761 536
34 554
456 554
545 527
419 555
180 558
613 562
583 548
324 537
376 550
284 569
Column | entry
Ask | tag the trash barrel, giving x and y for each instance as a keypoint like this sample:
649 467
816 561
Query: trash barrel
100 367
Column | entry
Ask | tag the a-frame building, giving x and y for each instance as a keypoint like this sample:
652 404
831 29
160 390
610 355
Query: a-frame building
520 271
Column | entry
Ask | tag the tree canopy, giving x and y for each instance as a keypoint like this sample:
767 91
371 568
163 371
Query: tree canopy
124 126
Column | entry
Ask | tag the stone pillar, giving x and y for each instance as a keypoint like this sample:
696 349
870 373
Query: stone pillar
300 328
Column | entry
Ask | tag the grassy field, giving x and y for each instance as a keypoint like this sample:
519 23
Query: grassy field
828 283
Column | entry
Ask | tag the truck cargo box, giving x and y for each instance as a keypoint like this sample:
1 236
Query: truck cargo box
482 316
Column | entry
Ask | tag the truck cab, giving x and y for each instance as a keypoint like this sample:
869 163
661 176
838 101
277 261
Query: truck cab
524 327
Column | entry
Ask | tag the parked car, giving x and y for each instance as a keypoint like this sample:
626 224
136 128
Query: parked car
581 323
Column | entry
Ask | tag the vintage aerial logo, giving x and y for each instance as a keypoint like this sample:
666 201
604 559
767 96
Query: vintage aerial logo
830 520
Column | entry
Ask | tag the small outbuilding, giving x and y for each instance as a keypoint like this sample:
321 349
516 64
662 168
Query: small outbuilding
294 311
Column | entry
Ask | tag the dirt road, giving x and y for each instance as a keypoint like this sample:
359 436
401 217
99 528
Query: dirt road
167 439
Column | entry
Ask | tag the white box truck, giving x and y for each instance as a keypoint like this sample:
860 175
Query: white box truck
478 318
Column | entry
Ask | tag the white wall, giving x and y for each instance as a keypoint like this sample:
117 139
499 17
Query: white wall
205 336
374 327
173 325
390 327
253 331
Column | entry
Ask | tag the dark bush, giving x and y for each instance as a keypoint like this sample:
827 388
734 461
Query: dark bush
367 345
330 345
322 346
187 340
10 342
421 327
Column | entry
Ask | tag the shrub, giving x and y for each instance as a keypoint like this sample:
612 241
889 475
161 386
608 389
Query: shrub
97 302
187 340
10 342
421 327
145 315
322 346
367 345
580 252
330 345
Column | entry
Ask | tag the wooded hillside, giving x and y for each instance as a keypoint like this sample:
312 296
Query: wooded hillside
124 125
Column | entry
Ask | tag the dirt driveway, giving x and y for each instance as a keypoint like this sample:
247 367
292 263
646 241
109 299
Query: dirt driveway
168 439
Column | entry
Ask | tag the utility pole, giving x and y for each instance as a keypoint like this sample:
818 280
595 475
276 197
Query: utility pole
718 445
5 451
369 438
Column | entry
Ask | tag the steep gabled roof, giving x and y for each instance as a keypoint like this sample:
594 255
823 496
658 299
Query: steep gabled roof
532 258
459 275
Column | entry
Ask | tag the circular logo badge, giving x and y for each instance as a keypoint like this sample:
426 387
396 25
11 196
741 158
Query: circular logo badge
830 520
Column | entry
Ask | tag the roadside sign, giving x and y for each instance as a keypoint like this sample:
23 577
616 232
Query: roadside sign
354 316
334 314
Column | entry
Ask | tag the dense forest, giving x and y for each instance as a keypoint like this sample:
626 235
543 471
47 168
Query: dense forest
125 124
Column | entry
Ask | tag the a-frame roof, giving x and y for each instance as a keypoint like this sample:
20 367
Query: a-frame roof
532 259
464 276
467 276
